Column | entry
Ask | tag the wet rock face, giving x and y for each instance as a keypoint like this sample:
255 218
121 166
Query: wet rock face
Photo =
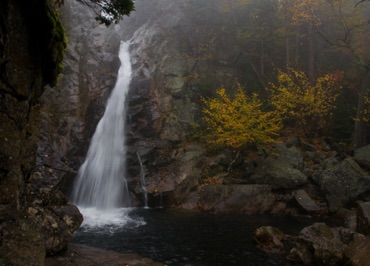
164 104
71 110
24 73
17 93
20 87
161 106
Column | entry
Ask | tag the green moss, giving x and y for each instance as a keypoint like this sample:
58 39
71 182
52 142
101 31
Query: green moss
57 43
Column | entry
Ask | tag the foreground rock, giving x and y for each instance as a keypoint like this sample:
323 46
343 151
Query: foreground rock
58 223
85 256
317 244
343 183
358 252
320 244
269 239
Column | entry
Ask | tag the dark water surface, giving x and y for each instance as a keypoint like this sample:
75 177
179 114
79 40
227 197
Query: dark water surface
178 237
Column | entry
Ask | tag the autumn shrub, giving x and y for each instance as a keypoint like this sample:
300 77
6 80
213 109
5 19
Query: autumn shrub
310 106
240 120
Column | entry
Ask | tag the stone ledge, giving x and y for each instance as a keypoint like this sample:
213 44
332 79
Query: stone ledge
87 256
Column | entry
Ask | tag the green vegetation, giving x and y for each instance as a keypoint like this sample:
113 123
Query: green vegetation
57 43
111 11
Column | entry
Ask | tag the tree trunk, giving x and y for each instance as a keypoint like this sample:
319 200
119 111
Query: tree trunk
287 52
359 136
297 40
262 60
311 55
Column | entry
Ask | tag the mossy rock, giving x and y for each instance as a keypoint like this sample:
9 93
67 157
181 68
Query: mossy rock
57 43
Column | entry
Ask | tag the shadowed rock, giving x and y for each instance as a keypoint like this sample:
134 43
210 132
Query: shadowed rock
343 183
79 255
305 201
269 239
279 174
248 199
363 218
319 244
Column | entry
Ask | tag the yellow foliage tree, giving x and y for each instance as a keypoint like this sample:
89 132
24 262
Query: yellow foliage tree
310 106
239 121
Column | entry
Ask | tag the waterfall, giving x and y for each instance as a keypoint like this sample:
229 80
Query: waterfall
101 182
143 181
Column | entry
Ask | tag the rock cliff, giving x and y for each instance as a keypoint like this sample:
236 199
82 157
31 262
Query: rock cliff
35 218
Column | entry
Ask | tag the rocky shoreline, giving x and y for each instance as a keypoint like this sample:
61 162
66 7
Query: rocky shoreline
80 255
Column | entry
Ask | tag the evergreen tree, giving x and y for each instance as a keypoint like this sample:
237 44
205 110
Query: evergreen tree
109 11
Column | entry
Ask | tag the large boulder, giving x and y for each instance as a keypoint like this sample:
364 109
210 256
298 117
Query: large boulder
292 155
343 183
247 199
279 174
23 243
269 239
362 156
57 223
319 244
357 252
306 202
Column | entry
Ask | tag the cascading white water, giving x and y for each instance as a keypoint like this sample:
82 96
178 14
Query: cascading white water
101 182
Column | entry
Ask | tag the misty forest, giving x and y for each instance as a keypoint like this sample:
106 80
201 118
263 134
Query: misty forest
185 132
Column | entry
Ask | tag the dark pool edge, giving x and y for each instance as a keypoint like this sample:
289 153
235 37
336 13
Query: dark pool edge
82 255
